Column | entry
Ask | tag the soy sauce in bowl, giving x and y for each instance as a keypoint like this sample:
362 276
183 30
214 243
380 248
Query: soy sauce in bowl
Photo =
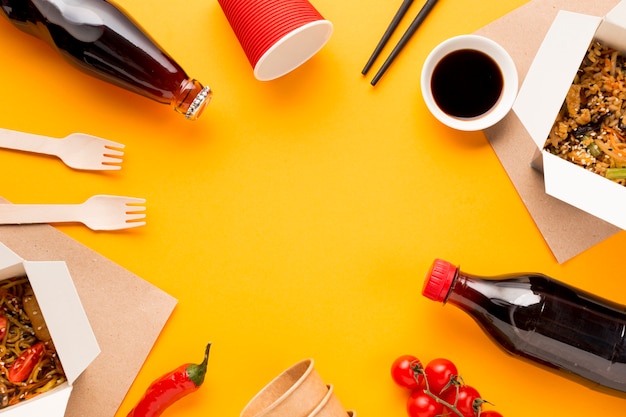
466 83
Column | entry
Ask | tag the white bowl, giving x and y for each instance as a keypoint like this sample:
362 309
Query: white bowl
509 75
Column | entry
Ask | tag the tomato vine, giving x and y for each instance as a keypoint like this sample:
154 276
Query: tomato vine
437 390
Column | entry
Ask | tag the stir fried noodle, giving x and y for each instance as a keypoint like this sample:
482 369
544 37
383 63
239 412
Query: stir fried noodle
19 337
590 129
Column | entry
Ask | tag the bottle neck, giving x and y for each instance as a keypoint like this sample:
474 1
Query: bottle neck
191 99
459 289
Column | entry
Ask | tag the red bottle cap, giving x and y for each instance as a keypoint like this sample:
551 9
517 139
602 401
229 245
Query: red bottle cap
439 280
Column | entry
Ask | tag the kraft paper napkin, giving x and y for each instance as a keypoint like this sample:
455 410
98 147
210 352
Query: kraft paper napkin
567 230
110 295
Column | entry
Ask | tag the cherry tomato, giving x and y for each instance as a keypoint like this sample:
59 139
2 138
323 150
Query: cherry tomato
439 373
403 374
490 413
466 398
25 363
421 404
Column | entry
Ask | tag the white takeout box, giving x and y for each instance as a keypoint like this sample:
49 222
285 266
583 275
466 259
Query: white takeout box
67 322
542 94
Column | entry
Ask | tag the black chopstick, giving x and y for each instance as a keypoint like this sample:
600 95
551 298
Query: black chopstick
421 16
392 27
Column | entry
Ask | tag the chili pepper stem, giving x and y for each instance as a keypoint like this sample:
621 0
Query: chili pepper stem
196 372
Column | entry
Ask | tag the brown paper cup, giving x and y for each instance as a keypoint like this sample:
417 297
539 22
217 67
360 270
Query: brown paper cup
330 406
294 393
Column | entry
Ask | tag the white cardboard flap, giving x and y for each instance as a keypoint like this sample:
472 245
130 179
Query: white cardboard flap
50 404
10 263
601 198
64 314
611 31
552 71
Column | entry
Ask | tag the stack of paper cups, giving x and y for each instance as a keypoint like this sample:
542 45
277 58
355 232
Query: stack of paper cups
277 36
297 392
330 406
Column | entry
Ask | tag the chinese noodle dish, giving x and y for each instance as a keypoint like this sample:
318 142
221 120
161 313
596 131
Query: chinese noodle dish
590 129
28 361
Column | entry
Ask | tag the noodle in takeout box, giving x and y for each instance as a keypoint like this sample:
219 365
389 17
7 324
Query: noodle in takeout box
542 95
70 331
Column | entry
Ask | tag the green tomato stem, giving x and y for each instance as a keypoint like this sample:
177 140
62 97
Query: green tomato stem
418 370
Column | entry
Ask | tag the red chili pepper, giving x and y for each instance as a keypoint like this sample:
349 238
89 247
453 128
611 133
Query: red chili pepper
25 363
170 388
4 324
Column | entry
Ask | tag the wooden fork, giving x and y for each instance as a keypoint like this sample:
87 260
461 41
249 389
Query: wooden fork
78 150
100 212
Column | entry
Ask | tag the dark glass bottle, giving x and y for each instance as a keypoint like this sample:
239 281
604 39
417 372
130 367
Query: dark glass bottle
572 332
102 40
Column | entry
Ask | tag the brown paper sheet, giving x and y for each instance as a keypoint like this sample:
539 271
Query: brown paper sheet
110 294
567 230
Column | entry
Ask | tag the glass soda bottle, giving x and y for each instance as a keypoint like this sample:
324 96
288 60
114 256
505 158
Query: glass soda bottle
103 41
537 318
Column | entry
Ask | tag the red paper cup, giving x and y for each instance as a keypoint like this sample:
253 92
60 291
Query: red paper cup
277 35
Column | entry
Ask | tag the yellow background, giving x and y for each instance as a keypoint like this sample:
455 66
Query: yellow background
297 217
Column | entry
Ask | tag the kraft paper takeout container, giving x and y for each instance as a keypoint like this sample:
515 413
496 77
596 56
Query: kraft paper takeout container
67 322
541 97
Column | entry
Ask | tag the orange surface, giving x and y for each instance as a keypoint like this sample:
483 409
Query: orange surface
298 217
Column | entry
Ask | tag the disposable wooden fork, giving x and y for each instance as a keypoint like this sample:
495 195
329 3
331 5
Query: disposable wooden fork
100 212
78 150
